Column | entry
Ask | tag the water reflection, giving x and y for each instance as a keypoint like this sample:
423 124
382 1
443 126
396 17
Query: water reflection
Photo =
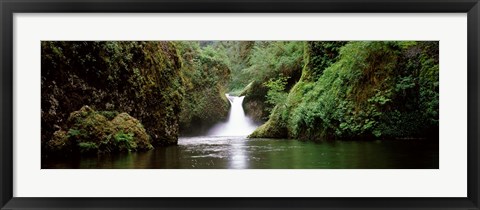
238 159
242 153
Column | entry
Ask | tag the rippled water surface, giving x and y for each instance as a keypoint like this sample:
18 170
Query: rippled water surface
241 153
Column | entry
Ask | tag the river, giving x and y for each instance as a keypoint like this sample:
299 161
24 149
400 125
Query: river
241 153
225 146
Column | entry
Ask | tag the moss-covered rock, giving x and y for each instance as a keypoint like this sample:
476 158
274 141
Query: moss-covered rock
254 102
88 125
126 124
59 142
88 131
270 129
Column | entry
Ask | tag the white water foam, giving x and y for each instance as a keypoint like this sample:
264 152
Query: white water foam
238 124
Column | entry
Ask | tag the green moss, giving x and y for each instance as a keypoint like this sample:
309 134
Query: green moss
132 130
90 132
269 130
247 89
59 142
254 103
372 90
273 128
140 78
205 75
108 114
125 141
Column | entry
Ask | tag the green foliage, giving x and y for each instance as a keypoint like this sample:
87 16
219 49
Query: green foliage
205 73
271 59
371 90
125 141
256 64
319 56
261 60
74 133
88 147
238 56
276 94
346 100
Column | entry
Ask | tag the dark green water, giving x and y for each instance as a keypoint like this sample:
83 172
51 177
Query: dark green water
241 153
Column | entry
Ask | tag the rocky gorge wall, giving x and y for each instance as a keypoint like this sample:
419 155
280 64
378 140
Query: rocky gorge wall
138 78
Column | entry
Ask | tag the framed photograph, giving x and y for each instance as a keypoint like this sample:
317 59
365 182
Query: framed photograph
201 104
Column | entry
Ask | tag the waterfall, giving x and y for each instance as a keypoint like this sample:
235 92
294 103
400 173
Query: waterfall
237 124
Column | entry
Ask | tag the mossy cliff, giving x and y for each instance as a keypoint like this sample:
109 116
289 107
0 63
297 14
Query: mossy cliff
361 90
142 79
206 75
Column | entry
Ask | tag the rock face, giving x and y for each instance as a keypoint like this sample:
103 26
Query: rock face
138 78
254 102
89 131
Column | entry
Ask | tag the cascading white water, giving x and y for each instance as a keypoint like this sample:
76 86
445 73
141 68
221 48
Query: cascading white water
238 124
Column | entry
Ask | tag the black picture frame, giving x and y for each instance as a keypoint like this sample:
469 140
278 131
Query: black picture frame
9 7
